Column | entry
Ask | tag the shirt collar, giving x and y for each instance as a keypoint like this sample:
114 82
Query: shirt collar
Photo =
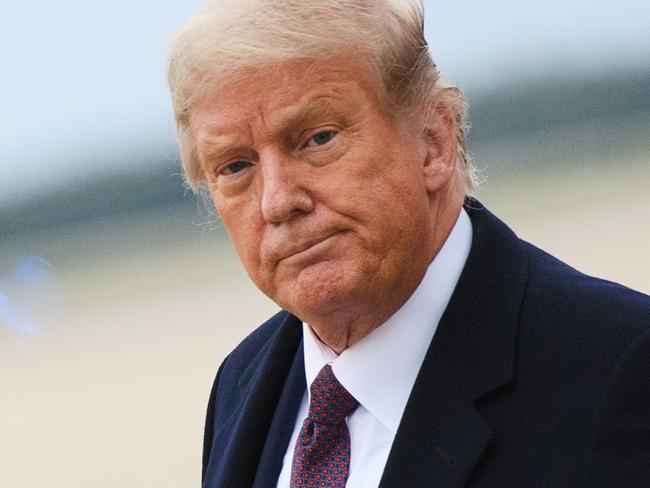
389 358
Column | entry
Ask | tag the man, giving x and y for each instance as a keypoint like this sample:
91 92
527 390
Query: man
421 343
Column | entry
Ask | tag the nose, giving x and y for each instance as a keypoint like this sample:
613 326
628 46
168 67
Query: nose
284 194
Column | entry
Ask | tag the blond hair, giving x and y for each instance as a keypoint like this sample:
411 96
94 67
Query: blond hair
226 37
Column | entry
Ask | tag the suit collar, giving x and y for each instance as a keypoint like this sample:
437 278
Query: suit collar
442 435
279 433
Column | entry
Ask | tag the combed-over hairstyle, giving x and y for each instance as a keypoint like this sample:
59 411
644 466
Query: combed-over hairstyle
226 37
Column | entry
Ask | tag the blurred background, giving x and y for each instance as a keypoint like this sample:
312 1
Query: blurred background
119 291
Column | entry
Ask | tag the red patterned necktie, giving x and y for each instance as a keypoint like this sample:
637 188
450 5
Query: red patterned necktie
322 454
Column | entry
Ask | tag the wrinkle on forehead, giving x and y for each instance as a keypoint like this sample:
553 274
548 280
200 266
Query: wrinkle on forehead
287 76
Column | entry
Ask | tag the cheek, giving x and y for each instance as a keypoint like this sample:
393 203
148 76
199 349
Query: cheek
244 240
248 244
389 200
245 233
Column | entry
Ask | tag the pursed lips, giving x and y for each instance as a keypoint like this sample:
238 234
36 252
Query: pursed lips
306 245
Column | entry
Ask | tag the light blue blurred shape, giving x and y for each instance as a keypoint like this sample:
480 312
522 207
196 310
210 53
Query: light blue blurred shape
31 297
9 319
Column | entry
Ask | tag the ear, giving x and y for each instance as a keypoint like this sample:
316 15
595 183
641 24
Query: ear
440 140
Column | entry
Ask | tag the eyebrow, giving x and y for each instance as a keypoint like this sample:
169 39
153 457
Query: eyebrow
316 108
218 146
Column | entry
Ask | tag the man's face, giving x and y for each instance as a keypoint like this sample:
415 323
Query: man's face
323 197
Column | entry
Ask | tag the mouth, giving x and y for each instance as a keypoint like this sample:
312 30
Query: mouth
312 245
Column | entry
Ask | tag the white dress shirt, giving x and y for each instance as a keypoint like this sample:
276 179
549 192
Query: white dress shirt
380 369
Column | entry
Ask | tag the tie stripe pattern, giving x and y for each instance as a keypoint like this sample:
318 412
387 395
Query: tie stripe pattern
322 455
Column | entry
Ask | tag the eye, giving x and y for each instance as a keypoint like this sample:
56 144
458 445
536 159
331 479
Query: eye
321 138
234 167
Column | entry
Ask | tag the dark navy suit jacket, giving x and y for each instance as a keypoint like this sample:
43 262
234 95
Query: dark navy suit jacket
538 376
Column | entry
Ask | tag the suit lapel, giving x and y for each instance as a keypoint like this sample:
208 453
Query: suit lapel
442 435
282 425
261 387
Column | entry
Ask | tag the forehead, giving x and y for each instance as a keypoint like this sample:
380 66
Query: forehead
279 93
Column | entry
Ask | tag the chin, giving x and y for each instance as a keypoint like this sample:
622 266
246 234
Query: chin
321 290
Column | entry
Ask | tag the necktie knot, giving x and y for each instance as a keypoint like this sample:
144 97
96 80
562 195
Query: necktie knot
330 402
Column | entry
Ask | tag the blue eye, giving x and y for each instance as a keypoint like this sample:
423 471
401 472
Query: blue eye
323 137
235 167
